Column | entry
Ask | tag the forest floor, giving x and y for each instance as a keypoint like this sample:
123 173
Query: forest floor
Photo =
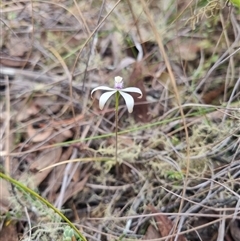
174 171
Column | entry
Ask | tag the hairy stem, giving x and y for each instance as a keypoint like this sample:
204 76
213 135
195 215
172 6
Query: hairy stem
116 125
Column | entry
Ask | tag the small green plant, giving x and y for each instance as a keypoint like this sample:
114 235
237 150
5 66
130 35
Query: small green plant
235 3
70 235
36 196
174 175
117 90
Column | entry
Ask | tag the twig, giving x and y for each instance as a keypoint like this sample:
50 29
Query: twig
7 144
66 180
29 223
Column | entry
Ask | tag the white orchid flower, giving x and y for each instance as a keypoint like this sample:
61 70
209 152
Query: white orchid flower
118 88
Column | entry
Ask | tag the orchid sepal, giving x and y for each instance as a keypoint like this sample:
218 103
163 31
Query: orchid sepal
101 88
104 98
133 90
129 100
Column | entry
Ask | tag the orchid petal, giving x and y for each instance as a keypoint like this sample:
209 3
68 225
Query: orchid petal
104 98
128 100
101 88
133 90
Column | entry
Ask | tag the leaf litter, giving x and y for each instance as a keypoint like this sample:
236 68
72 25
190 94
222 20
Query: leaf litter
109 200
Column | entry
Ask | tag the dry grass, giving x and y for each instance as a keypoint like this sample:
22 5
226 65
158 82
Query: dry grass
178 151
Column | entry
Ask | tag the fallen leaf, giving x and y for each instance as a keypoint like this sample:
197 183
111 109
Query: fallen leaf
48 103
9 232
151 233
39 132
3 37
46 158
26 110
18 46
56 176
186 48
140 109
212 95
235 229
165 225
64 134
208 231
12 61
74 188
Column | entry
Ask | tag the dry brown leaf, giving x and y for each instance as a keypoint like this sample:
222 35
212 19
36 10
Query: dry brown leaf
151 233
25 111
39 134
9 233
18 46
46 158
69 121
63 135
140 111
208 231
12 61
187 49
49 103
235 229
56 177
165 225
3 38
55 181
75 188
212 95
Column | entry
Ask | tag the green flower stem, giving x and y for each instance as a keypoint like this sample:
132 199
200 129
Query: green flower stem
48 204
116 128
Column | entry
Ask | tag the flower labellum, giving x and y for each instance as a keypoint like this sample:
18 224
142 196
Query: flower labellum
118 82
118 87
